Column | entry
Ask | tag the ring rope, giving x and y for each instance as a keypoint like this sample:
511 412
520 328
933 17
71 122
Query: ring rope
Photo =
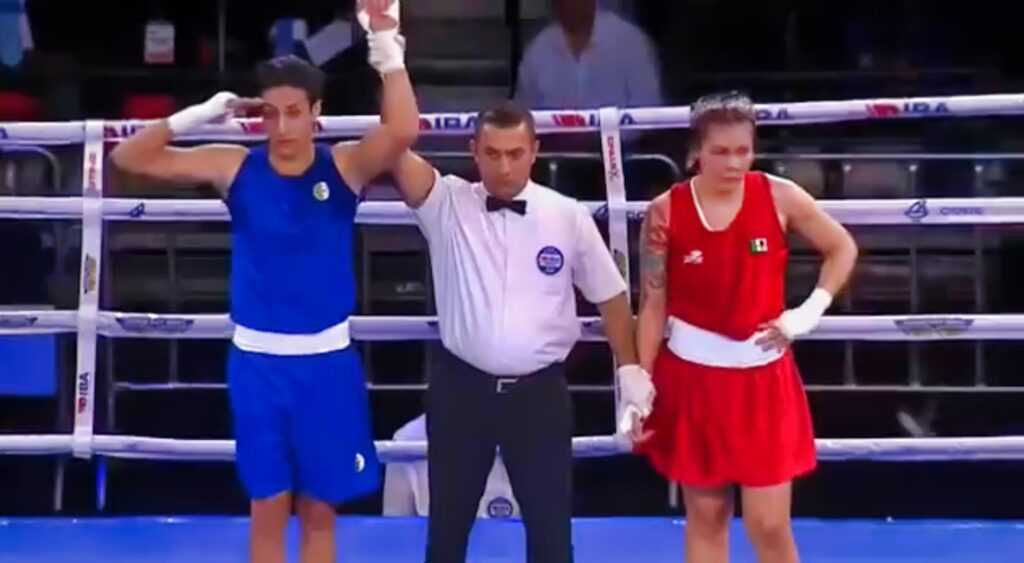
559 121
887 449
880 328
922 211
618 217
88 300
94 210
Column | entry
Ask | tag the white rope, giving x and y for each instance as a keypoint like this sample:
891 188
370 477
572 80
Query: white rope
937 211
89 322
618 218
89 288
38 322
860 449
138 447
377 328
560 121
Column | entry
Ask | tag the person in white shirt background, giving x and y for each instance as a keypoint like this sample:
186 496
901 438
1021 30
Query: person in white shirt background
406 489
591 57
505 256
588 58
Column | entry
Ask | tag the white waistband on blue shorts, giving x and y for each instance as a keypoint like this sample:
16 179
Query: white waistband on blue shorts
329 340
707 348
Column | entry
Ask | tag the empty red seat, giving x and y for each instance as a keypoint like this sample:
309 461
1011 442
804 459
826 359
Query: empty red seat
17 106
148 106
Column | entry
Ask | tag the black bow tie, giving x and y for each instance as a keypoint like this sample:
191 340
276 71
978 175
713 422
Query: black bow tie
515 205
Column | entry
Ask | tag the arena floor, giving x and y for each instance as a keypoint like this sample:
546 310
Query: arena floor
606 540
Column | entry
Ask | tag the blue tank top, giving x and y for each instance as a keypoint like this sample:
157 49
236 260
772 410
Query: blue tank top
291 263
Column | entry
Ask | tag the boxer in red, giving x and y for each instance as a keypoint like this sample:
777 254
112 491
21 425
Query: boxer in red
730 409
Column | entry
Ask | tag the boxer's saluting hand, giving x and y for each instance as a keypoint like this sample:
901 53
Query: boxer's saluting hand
217 108
247 107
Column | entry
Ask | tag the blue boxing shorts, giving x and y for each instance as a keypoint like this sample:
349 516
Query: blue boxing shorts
302 425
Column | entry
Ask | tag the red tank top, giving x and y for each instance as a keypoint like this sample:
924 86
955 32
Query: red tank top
728 281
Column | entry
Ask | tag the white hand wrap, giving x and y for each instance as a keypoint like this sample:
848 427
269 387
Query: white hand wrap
387 47
636 395
802 320
210 110
364 18
387 51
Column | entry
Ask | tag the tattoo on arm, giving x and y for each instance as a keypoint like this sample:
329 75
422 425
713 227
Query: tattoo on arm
652 253
652 266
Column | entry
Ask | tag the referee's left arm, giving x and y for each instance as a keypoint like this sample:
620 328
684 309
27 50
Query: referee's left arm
601 283
618 327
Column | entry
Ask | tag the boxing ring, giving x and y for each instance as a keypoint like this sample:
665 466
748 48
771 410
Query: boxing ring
397 539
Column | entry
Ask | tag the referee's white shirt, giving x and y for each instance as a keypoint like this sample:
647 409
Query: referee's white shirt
503 282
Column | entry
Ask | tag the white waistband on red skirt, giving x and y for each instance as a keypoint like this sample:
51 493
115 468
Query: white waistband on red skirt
328 340
694 344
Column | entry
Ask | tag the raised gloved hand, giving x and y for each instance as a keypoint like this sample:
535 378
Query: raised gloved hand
380 19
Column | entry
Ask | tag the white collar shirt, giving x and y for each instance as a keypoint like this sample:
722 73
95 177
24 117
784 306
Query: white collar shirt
503 282
619 67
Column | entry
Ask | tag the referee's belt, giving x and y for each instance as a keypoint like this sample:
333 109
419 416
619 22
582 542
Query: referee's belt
505 383
699 346
331 339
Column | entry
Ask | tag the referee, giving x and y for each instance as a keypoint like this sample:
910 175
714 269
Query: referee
505 255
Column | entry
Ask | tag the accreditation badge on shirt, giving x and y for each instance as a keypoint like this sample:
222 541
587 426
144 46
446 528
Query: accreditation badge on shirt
550 260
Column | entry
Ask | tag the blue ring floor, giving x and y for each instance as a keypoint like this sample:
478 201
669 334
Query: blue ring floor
401 540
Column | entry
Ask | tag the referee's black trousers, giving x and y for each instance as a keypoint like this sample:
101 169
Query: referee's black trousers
469 412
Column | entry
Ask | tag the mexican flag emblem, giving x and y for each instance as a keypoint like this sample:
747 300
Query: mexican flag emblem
758 245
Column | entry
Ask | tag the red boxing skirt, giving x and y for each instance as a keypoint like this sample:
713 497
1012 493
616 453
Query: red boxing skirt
717 426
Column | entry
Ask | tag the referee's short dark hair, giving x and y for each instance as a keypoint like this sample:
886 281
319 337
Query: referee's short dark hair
505 115
290 70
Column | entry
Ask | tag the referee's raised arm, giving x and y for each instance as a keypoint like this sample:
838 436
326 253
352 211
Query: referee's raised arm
414 178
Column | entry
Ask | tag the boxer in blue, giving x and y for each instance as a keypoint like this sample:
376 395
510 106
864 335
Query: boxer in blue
298 398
